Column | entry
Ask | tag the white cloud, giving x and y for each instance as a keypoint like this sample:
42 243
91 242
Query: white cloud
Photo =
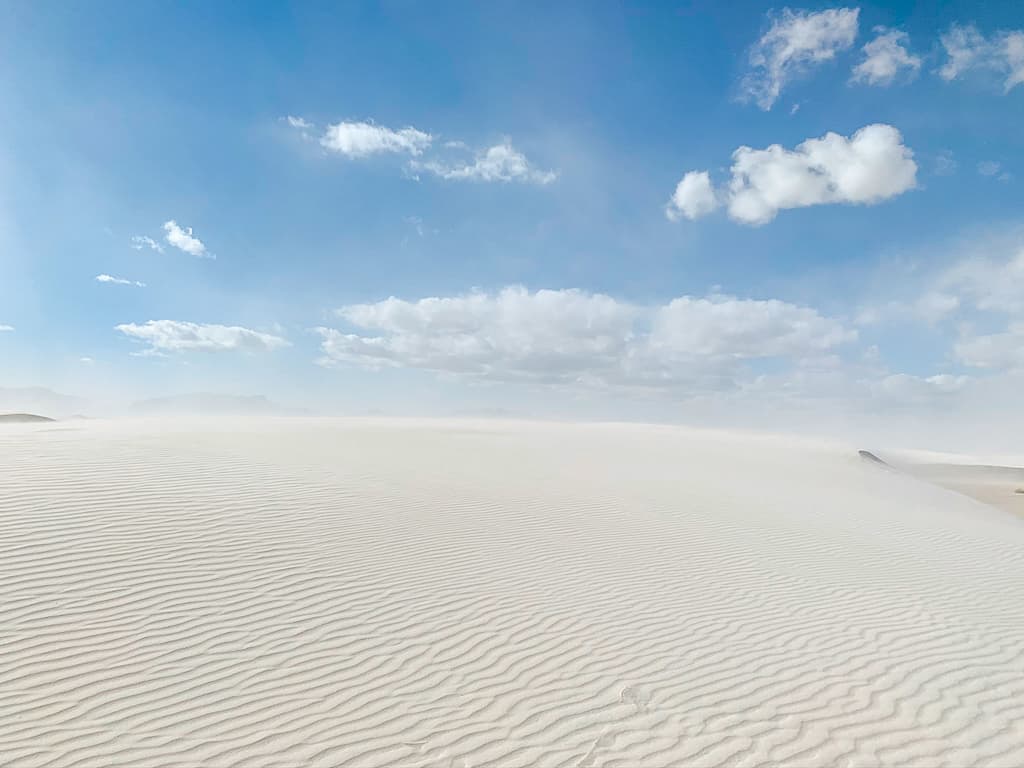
906 387
118 281
176 336
871 166
935 305
795 42
502 162
141 241
987 283
359 139
945 163
967 49
298 122
988 167
884 58
183 239
6 328
694 197
86 361
576 338
1003 350
978 298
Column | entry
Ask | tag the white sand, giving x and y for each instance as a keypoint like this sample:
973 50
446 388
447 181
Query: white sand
382 593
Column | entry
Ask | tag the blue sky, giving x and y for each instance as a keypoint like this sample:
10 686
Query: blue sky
122 117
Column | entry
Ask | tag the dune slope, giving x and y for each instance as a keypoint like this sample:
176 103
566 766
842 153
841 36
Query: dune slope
380 593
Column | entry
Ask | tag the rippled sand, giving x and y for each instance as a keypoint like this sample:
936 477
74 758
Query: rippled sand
402 593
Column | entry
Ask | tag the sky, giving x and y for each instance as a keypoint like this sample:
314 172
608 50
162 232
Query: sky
668 210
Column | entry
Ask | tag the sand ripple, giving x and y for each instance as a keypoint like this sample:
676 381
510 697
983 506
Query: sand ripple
358 593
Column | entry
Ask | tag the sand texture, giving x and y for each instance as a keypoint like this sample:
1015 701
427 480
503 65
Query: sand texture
303 592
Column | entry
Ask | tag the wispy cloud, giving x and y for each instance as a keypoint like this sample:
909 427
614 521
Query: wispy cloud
6 328
796 42
871 166
362 139
177 336
183 239
118 281
968 50
502 163
141 241
885 58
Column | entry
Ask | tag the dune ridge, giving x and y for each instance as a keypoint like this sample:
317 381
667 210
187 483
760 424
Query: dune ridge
345 592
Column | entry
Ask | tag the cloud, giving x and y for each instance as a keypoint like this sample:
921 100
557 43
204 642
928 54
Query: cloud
176 336
6 328
141 241
571 337
183 239
118 281
359 139
993 168
987 283
884 58
502 162
945 163
694 197
86 361
988 167
906 387
871 166
1003 350
976 300
967 50
796 42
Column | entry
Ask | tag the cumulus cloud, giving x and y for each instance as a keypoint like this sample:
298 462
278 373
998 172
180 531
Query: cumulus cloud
967 50
694 197
141 241
361 139
576 338
870 166
183 239
502 162
796 42
885 57
118 281
164 336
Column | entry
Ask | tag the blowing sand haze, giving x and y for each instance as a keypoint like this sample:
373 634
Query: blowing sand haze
426 593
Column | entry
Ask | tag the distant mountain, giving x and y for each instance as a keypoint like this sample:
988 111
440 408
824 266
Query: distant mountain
30 400
208 403
21 418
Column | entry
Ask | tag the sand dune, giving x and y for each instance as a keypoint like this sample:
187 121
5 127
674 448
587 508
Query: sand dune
1001 487
301 592
22 418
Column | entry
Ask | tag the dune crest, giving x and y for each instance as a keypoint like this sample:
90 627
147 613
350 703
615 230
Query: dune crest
346 592
22 418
